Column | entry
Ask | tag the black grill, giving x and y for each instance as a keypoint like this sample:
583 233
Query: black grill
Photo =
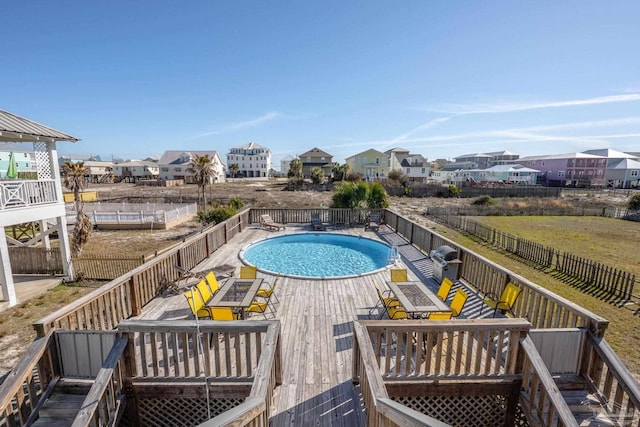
443 254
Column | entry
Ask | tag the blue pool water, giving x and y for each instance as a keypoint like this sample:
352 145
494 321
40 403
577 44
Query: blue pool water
317 255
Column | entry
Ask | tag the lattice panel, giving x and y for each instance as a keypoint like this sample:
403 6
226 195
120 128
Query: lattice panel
520 418
43 163
181 412
463 411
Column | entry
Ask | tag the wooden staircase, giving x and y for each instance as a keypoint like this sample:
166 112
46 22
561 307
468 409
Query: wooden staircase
585 405
64 403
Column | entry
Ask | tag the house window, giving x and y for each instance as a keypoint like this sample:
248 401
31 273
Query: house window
560 173
165 169
423 171
322 159
308 158
408 171
634 173
377 160
178 169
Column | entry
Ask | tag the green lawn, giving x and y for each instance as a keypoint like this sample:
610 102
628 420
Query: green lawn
612 242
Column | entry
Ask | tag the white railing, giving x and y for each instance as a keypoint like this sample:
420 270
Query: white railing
20 194
133 213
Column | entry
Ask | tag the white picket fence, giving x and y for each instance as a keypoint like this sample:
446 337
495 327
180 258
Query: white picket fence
133 213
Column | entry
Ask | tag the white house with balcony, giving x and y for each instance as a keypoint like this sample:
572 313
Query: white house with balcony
253 160
32 200
177 165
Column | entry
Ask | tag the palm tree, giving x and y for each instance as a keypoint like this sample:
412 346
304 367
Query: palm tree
73 180
295 168
234 168
202 173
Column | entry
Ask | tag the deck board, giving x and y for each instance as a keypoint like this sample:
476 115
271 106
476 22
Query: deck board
316 329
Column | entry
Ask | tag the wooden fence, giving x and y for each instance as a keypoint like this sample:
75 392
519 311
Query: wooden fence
422 190
125 296
26 260
542 308
614 282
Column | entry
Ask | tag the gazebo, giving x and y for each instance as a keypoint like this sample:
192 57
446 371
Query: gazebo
32 200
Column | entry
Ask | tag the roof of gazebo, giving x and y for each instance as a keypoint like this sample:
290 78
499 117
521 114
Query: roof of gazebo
18 129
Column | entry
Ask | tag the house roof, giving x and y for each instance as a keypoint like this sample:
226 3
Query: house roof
137 163
510 168
625 164
250 146
405 163
366 151
14 128
397 150
315 151
464 156
611 154
173 156
561 157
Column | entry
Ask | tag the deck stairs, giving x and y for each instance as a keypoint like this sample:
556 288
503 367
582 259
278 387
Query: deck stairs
585 405
63 404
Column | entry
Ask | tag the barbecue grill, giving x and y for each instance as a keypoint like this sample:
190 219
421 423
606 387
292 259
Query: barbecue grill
445 263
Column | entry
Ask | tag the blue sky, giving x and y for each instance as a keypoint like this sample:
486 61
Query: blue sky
440 78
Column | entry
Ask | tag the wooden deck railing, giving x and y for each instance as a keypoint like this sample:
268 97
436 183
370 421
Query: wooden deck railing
618 390
237 357
446 349
104 405
29 382
540 396
542 308
125 296
331 216
380 409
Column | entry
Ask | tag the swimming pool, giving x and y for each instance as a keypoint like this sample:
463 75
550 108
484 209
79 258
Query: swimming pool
317 255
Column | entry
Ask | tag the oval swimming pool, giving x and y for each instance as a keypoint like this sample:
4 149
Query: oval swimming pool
317 255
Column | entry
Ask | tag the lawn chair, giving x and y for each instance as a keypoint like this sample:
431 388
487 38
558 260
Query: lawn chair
399 275
506 301
267 222
248 272
445 288
374 222
268 293
316 222
459 300
385 300
223 313
197 304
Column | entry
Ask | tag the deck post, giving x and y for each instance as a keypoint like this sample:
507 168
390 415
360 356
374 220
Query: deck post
134 293
131 408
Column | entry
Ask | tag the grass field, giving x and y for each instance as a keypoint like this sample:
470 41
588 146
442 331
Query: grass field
612 242
568 234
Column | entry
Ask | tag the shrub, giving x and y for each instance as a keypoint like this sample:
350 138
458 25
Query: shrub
484 200
217 215
236 202
354 176
353 195
317 175
634 202
453 191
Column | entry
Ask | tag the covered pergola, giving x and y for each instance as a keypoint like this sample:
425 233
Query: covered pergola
38 200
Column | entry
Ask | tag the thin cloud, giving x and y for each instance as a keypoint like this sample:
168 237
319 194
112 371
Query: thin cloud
467 109
265 118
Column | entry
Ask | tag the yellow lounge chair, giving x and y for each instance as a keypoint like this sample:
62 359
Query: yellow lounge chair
457 304
506 301
223 313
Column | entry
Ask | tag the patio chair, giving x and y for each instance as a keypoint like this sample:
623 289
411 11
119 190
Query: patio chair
205 291
397 313
445 288
385 299
457 304
316 222
506 301
258 307
223 313
399 275
248 272
267 222
373 223
269 292
197 304
213 282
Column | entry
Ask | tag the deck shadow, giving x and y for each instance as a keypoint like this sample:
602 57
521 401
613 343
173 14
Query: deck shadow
341 405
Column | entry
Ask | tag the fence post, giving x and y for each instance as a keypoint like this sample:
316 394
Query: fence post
134 293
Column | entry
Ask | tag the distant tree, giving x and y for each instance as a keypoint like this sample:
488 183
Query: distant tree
398 175
295 169
353 177
634 202
339 171
317 175
73 180
453 191
202 173
233 169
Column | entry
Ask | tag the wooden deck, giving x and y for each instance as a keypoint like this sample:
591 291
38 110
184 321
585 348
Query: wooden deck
317 334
